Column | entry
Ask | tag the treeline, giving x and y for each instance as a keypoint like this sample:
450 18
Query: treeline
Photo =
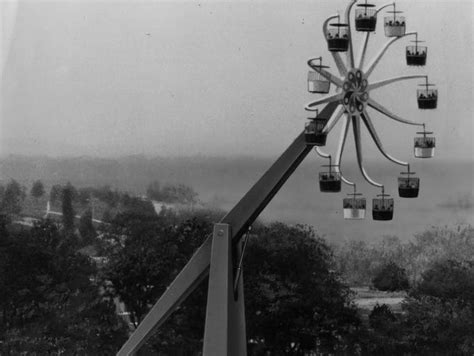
106 201
359 262
171 193
436 269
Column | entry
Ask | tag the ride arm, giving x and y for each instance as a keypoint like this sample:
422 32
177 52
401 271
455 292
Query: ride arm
378 143
347 16
360 160
337 58
336 98
239 218
384 49
385 82
340 149
375 105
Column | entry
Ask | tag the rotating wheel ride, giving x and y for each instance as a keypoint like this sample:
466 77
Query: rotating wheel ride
354 102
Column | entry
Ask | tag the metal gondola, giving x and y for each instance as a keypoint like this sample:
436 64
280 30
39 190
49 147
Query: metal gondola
365 17
354 208
416 55
338 37
408 187
382 208
427 98
394 24
424 145
316 82
313 131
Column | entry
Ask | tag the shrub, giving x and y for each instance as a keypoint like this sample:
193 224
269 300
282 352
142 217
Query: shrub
391 278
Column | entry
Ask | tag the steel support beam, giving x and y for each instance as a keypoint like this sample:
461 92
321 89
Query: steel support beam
225 318
239 219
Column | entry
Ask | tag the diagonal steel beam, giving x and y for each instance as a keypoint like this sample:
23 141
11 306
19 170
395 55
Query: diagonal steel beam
239 219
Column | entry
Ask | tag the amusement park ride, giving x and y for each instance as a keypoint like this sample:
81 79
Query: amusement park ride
221 254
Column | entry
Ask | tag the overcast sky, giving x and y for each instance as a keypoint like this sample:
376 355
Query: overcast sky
220 78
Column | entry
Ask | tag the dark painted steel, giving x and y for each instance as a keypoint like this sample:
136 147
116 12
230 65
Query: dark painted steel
239 219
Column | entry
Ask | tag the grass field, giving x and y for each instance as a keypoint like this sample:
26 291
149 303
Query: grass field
367 298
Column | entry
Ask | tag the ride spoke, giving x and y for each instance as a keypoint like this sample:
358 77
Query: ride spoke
326 99
360 160
340 148
386 82
384 49
378 143
375 105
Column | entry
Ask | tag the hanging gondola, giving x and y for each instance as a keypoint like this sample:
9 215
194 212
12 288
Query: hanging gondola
424 145
316 82
416 55
330 181
365 17
354 208
408 187
394 24
427 98
382 208
338 37
313 131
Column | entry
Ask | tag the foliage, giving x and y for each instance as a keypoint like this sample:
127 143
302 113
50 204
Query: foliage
86 228
145 254
440 309
359 261
138 206
171 193
391 278
381 316
48 302
294 300
56 193
448 279
293 296
67 208
12 198
37 190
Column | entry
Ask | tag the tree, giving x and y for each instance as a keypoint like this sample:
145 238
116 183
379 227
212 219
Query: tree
295 301
67 208
86 228
440 309
56 193
37 190
178 194
12 198
49 300
391 278
153 191
171 193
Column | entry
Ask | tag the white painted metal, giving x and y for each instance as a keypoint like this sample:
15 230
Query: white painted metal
347 17
385 82
375 105
384 49
326 99
365 117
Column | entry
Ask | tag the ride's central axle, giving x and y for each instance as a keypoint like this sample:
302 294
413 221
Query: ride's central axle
355 92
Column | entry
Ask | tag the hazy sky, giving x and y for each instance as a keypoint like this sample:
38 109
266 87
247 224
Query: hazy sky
215 78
